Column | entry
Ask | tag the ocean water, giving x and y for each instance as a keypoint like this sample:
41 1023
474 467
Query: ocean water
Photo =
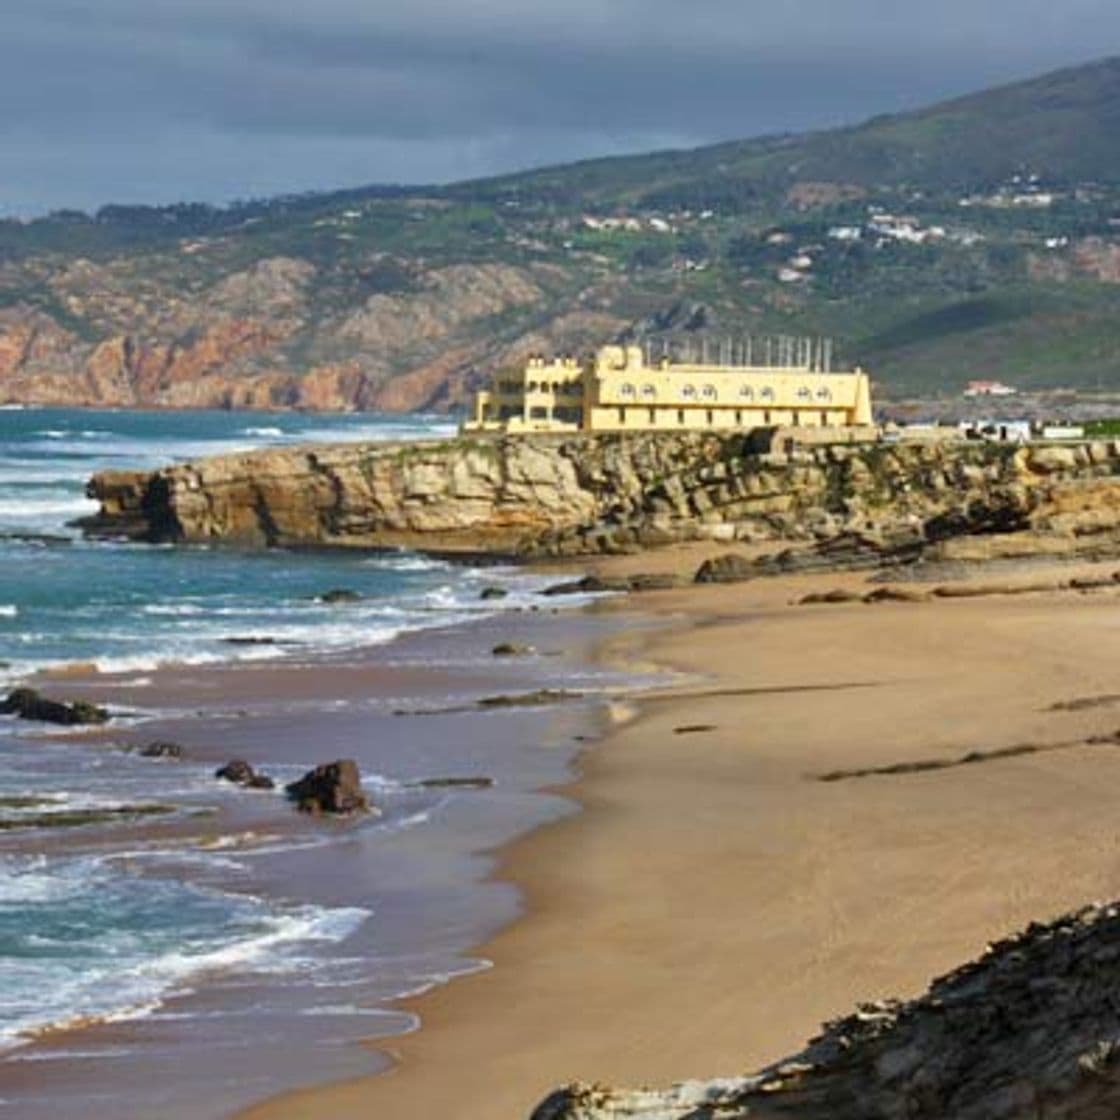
104 922
123 606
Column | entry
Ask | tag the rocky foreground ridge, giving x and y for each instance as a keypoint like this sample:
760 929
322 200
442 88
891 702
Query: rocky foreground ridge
1031 1030
840 505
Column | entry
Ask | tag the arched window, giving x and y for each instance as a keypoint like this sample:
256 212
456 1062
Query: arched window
746 392
689 391
626 389
804 393
767 394
709 393
824 393
649 392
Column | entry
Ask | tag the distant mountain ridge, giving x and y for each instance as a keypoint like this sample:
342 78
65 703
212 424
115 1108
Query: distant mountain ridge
977 237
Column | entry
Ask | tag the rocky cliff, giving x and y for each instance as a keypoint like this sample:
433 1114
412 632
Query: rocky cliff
567 496
1028 1032
199 333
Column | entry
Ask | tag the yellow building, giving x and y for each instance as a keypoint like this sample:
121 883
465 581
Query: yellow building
619 391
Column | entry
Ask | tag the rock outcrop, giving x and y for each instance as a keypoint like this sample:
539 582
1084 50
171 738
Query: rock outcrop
1031 1031
26 703
840 505
334 787
240 773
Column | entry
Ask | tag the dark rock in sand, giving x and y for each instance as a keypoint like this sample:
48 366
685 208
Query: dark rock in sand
26 703
512 649
837 595
529 699
242 774
160 750
339 595
454 783
489 594
896 595
729 568
335 787
249 640
654 581
599 585
588 585
76 818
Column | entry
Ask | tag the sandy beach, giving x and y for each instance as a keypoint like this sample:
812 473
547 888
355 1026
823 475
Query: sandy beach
715 900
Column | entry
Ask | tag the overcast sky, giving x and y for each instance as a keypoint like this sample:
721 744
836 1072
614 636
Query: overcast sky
164 100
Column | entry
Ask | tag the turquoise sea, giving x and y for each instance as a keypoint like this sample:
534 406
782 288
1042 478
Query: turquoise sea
106 922
128 606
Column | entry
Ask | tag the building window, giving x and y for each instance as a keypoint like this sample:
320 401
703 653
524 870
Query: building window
738 417
653 415
766 417
709 392
622 416
797 419
746 392
824 394
804 393
767 394
680 416
711 418
649 392
627 390
824 419
689 391
538 413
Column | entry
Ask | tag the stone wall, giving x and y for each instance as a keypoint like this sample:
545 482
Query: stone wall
577 495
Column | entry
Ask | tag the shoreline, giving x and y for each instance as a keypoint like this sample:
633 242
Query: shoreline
218 711
711 905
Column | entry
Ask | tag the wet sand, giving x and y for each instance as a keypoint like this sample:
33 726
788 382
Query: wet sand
715 900
423 869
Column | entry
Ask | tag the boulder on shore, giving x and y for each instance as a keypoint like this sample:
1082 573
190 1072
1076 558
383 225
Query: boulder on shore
729 568
334 787
240 773
161 749
26 703
492 594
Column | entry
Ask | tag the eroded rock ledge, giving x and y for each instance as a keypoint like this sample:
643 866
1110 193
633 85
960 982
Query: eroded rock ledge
1031 1030
582 494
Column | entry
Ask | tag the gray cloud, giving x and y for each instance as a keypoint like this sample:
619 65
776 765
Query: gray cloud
156 100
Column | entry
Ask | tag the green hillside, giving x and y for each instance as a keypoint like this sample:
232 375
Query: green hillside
979 237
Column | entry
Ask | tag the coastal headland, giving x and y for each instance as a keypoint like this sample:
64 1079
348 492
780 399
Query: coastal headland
535 497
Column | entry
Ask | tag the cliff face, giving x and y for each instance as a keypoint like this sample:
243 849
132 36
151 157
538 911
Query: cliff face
581 494
1029 1032
278 333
